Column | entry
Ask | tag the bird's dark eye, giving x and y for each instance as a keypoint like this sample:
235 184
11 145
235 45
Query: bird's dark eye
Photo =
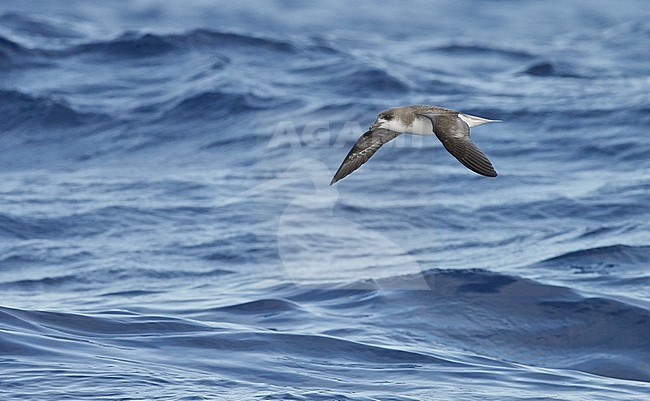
388 117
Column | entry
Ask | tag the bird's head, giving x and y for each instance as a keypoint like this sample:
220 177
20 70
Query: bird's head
383 119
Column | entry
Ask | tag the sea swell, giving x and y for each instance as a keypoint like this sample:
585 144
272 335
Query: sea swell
168 231
503 317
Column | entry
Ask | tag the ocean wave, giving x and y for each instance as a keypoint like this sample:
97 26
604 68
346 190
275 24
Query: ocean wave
85 278
548 69
229 248
34 26
144 45
21 110
20 257
261 306
470 322
500 318
159 331
79 224
217 104
10 53
561 207
608 257
67 281
477 50
129 45
205 36
99 326
365 81
521 320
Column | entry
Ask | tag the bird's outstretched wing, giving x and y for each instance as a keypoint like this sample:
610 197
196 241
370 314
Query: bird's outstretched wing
454 135
363 149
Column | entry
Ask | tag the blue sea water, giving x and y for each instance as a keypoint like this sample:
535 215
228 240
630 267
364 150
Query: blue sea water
168 232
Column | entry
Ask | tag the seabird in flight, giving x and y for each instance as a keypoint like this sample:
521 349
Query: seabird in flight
450 126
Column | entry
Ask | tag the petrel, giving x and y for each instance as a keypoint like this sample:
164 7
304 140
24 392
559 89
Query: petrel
450 126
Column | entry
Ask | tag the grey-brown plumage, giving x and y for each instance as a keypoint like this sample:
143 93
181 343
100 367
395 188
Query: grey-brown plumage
451 127
363 149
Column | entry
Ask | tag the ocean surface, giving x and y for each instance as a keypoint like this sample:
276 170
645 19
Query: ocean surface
168 232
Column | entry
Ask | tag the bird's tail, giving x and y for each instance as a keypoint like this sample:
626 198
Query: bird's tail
473 121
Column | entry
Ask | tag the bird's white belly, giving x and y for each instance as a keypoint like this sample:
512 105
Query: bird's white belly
421 126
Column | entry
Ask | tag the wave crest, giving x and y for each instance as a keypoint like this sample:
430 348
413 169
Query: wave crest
141 45
11 53
20 109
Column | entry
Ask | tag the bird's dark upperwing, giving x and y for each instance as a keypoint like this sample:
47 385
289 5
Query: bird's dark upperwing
454 135
363 149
